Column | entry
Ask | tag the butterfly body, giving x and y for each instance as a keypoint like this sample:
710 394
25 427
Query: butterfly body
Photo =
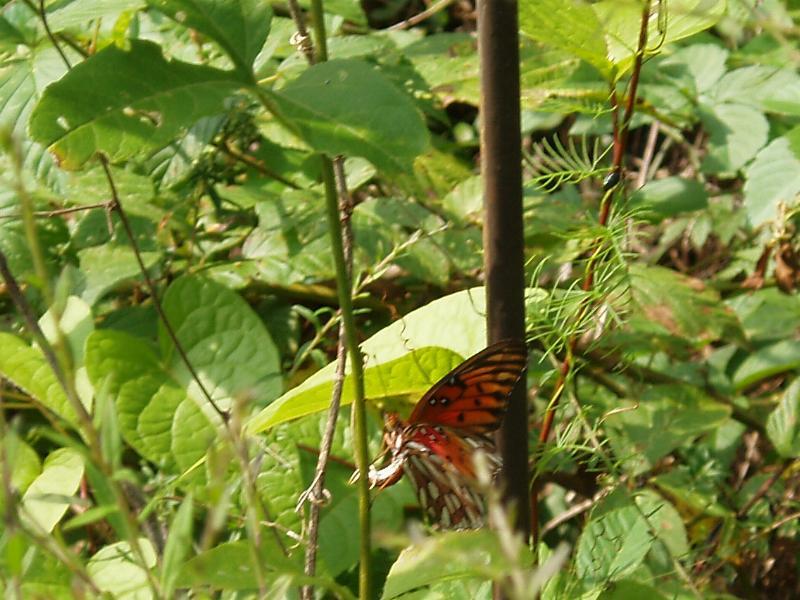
436 447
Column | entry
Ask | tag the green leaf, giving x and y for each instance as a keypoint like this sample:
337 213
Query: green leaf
26 367
107 266
48 497
767 361
622 22
226 342
665 522
240 27
572 26
115 570
178 546
401 360
605 34
737 133
668 302
692 493
664 198
157 399
764 87
126 113
22 83
614 542
75 324
22 462
230 566
663 418
77 14
452 80
766 314
349 9
630 590
782 424
773 177
348 107
450 556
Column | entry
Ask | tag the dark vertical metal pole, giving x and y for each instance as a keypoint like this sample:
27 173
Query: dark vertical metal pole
501 165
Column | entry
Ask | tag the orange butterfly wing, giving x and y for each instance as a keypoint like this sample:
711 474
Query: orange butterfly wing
473 397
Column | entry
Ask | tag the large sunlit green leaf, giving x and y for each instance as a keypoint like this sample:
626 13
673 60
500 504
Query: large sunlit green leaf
572 26
737 132
402 360
138 102
349 107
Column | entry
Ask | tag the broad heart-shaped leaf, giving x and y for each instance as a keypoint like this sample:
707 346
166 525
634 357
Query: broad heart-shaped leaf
783 424
401 360
26 367
48 497
124 103
773 177
452 555
226 342
116 571
348 107
146 396
157 402
240 27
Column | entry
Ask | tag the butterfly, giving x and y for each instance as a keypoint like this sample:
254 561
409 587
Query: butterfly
436 446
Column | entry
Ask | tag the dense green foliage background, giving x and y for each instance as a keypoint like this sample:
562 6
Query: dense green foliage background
673 469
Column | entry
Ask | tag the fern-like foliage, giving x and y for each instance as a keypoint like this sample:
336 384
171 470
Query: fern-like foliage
553 164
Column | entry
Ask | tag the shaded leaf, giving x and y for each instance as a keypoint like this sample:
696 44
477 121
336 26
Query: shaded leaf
346 106
240 27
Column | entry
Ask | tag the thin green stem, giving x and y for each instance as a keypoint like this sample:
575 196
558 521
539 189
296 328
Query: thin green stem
320 37
344 288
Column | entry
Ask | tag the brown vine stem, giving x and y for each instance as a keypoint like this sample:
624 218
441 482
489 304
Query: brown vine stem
621 130
422 16
51 37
